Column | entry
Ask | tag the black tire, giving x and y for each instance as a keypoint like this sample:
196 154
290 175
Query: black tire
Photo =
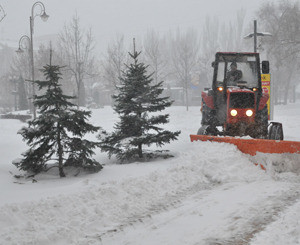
207 130
205 115
208 115
261 129
275 132
271 134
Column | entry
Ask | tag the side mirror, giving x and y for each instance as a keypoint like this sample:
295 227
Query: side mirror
213 64
265 67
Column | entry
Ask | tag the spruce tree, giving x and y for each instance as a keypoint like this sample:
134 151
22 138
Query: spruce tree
137 104
56 135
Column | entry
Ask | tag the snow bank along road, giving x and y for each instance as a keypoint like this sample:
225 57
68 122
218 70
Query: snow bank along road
209 193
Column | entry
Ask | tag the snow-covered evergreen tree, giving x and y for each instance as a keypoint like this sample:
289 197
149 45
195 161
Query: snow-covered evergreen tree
136 103
56 135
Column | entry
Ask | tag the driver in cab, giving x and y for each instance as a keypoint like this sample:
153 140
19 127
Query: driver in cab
233 75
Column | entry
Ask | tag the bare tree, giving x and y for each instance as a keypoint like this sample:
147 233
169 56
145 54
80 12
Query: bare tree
76 46
185 47
114 62
283 48
240 20
154 55
21 67
210 44
44 55
2 13
230 37
218 37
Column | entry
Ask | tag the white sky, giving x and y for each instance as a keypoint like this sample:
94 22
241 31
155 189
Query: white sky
129 17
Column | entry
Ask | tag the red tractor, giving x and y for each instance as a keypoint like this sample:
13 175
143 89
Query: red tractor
236 104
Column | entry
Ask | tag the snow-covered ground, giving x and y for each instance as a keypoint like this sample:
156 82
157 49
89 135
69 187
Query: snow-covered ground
208 193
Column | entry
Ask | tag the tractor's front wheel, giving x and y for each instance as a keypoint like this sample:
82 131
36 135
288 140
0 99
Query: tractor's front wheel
207 130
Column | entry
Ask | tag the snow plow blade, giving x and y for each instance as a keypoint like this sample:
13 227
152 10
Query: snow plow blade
252 146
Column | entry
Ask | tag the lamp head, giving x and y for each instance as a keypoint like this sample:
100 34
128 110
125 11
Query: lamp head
44 16
19 51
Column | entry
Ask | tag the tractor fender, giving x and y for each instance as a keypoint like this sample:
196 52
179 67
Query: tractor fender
263 101
208 99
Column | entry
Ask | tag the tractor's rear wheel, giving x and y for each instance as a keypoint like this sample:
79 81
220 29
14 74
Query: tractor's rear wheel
275 131
207 130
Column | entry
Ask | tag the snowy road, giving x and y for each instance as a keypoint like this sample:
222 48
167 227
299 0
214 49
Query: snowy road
209 193
230 214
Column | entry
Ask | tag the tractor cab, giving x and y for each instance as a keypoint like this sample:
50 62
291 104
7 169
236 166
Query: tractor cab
236 75
236 101
237 70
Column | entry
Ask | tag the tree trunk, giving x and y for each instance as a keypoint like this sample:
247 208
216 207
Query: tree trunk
276 94
186 98
294 94
60 155
140 151
287 85
78 95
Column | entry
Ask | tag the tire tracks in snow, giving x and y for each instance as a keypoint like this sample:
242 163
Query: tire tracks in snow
267 213
238 228
170 202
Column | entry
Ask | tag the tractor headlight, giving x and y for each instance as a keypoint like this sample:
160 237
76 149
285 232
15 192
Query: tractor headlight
220 89
233 112
249 113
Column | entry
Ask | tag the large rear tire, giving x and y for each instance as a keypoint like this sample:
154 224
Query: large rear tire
260 131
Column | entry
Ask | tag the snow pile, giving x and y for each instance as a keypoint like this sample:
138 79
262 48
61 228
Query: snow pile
101 206
209 193
279 162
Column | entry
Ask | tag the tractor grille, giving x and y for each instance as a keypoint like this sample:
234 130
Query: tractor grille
241 100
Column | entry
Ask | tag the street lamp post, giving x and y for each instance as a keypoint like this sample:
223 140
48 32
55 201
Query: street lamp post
44 17
15 92
24 43
256 34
